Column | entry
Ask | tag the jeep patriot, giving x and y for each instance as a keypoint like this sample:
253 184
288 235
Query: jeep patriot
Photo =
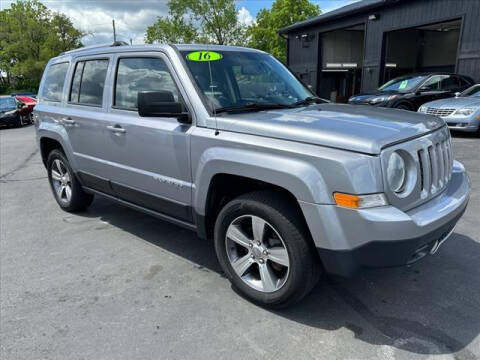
227 142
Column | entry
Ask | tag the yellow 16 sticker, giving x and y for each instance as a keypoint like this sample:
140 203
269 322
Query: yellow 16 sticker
204 56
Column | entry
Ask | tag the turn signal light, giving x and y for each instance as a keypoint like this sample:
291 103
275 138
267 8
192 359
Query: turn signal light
359 201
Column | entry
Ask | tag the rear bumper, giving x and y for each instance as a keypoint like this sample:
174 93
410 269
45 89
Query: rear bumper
348 240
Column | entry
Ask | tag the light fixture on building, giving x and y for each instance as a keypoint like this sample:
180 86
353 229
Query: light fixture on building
373 17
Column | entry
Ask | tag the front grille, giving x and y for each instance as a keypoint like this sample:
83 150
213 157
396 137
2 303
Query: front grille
440 112
436 163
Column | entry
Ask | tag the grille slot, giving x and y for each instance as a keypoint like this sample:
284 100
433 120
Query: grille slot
440 112
435 166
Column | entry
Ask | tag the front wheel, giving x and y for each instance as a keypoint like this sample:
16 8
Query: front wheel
65 187
265 249
403 107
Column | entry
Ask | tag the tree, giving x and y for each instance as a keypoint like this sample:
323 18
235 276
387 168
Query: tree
29 36
263 34
195 21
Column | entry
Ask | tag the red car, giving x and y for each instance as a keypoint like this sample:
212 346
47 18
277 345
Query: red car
28 103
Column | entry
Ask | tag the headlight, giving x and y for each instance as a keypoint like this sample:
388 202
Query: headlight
396 172
464 112
382 99
423 109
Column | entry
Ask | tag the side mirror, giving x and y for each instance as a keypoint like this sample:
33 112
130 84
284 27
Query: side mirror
160 104
457 94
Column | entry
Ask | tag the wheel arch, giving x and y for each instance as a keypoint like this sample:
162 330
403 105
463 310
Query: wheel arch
237 172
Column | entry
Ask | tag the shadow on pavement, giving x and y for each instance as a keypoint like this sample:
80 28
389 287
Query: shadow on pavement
430 308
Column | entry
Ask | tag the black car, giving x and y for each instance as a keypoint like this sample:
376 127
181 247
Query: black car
411 91
10 111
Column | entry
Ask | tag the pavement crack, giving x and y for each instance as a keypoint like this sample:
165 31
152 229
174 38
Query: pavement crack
22 165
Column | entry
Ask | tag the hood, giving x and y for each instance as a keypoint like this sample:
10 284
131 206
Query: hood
357 128
455 103
365 98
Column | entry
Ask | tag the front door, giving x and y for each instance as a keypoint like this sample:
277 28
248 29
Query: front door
148 157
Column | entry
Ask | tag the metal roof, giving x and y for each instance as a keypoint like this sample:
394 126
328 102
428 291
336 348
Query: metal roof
351 9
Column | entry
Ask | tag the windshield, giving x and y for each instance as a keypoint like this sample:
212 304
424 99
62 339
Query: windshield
404 83
231 79
7 103
471 91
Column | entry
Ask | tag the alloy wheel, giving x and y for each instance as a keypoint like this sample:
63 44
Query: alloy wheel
257 253
61 181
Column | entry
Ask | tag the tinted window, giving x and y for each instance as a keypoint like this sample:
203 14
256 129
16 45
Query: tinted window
141 74
449 83
54 79
434 82
463 82
88 82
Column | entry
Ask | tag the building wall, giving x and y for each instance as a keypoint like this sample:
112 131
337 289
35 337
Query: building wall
405 14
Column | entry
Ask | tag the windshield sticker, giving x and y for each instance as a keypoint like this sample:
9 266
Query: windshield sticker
204 56
403 84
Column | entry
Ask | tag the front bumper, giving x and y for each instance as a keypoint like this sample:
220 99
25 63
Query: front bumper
8 119
471 124
348 240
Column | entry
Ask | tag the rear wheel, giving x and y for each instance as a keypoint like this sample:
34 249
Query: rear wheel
265 249
65 187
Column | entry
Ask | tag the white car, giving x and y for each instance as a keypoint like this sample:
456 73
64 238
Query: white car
460 113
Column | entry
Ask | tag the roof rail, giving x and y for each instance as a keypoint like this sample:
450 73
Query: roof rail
97 46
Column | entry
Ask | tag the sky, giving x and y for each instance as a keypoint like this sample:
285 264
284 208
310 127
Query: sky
132 17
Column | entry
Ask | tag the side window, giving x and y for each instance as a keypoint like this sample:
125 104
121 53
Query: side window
449 83
88 82
54 79
141 74
463 82
434 82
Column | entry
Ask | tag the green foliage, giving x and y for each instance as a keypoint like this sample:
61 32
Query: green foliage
198 21
29 36
263 34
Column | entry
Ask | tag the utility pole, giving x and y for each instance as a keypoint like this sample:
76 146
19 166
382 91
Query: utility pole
131 41
114 33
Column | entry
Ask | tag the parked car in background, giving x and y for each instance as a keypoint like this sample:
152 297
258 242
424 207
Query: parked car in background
411 91
26 111
460 113
10 111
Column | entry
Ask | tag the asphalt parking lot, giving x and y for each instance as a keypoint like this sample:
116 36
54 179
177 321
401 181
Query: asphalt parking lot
112 283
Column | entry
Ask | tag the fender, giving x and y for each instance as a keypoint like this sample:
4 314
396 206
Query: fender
297 176
53 130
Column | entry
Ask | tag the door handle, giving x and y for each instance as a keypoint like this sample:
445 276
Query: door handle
68 121
116 129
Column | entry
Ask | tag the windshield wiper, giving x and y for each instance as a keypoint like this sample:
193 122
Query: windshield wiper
308 100
252 107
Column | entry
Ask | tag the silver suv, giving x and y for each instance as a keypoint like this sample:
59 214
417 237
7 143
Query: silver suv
227 142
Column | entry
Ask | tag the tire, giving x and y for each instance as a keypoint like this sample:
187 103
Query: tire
18 121
66 188
283 226
403 107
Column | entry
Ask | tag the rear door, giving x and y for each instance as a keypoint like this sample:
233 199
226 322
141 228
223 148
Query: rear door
148 157
85 118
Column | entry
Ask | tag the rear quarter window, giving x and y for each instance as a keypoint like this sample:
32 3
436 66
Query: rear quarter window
54 80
